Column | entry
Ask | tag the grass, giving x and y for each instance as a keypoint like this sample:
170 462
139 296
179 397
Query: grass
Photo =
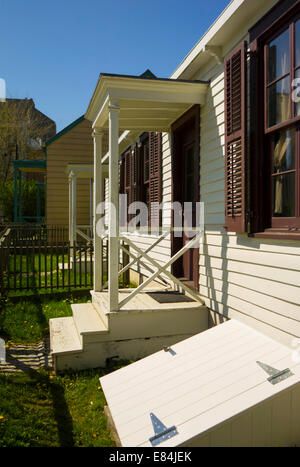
37 409
41 272
27 321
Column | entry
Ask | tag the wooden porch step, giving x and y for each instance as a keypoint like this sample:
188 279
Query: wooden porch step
64 337
87 320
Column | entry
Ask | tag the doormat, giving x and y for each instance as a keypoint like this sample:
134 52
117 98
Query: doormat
170 297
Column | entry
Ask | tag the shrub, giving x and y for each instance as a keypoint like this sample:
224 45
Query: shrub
29 199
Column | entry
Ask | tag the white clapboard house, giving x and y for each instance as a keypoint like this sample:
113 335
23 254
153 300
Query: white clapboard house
218 323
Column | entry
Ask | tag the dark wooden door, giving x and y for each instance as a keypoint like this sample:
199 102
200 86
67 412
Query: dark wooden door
185 174
189 190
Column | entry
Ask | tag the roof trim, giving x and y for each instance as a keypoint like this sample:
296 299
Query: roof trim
65 130
146 78
227 22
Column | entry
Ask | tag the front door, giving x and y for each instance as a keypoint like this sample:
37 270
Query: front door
189 190
185 174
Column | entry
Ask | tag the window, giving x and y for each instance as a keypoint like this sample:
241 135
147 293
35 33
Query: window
262 121
281 66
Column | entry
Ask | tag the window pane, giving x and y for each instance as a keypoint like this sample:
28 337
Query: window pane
297 44
279 56
284 195
279 101
296 90
283 150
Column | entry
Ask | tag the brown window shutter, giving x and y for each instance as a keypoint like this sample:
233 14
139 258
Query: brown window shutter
235 139
155 156
134 176
122 174
127 175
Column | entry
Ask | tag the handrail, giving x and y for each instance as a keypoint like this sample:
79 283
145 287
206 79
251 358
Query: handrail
161 269
83 235
5 235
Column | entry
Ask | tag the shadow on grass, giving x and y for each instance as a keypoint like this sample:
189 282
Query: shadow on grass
61 411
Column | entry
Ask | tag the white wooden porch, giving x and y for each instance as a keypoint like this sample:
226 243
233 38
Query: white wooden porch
128 323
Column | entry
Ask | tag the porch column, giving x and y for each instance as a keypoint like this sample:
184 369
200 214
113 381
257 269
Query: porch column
16 197
72 207
98 181
20 197
113 198
91 207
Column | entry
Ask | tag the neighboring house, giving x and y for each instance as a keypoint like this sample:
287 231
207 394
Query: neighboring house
229 138
72 145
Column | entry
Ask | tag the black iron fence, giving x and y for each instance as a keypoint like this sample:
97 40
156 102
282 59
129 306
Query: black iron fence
38 257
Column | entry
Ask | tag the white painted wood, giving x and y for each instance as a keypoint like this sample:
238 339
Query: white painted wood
162 269
87 320
64 337
70 210
212 378
97 185
113 197
142 263
73 209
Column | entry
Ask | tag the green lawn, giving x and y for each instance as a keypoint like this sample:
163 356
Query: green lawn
43 271
27 321
38 409
27 274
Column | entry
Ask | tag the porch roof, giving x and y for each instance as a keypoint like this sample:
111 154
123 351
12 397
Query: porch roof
30 165
145 103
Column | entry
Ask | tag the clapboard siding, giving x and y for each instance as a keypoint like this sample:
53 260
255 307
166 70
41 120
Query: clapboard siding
256 281
253 280
75 146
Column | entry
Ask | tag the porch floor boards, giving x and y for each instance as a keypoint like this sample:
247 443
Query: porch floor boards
143 301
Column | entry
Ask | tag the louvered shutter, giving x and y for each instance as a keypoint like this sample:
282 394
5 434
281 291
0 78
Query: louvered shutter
134 181
155 149
127 175
235 139
122 174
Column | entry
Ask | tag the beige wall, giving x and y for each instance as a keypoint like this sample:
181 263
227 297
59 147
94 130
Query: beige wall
75 146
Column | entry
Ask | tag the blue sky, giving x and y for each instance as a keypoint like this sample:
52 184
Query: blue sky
53 51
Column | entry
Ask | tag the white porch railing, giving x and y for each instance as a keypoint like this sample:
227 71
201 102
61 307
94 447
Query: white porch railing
85 231
157 271
138 258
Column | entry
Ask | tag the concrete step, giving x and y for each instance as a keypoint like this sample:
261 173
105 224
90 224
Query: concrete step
88 321
64 338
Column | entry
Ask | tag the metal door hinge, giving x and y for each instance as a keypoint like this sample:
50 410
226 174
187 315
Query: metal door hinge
162 433
276 376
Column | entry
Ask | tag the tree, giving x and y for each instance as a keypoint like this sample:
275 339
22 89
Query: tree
23 129
29 199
